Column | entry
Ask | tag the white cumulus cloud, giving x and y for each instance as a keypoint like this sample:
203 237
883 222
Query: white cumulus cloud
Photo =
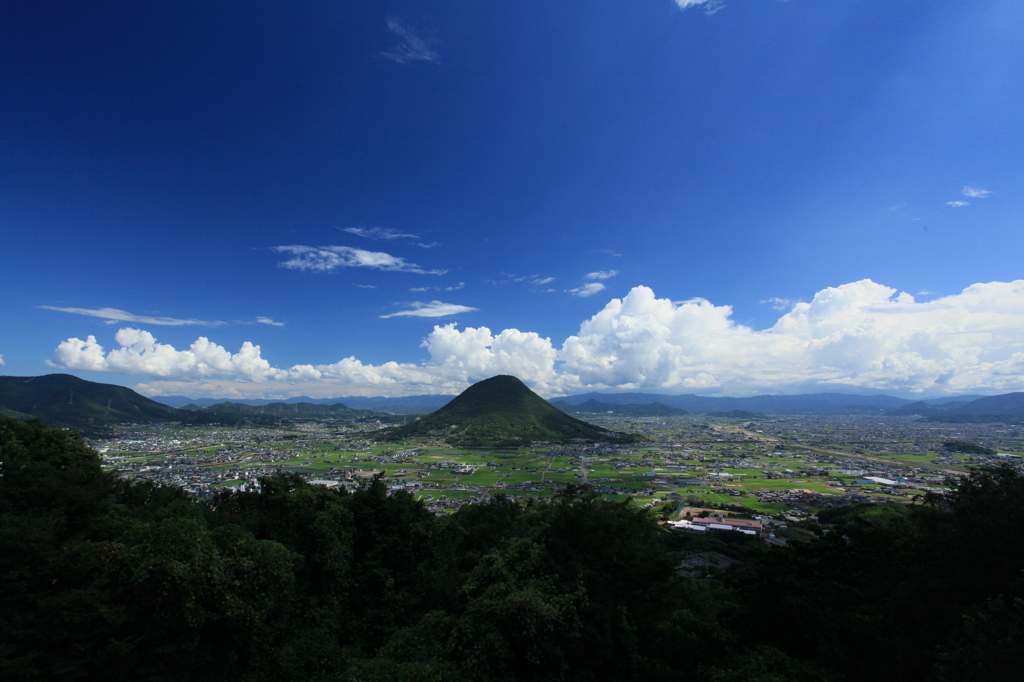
269 321
139 353
432 309
958 204
331 258
861 334
976 192
464 357
601 274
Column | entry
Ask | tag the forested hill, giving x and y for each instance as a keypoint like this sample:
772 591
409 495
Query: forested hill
109 579
502 411
63 399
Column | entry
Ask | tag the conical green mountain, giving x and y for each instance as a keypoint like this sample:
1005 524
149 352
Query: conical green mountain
503 411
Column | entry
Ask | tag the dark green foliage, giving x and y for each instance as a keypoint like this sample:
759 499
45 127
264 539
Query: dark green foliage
109 579
502 411
897 586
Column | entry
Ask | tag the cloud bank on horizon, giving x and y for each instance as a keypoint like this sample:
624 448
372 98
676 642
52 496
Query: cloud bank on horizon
860 335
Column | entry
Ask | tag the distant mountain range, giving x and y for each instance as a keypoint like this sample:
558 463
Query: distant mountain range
593 406
595 403
502 411
786 404
814 403
1008 407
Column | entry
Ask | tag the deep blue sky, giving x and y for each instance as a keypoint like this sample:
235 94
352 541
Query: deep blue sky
154 154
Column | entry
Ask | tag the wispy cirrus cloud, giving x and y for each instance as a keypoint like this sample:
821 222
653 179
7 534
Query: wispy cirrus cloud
601 274
532 280
958 204
378 233
976 192
331 258
710 6
387 234
408 45
115 315
587 289
431 309
453 287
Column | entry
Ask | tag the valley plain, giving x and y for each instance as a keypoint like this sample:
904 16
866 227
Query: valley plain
781 464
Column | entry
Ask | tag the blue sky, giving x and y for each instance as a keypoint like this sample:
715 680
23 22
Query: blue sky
267 199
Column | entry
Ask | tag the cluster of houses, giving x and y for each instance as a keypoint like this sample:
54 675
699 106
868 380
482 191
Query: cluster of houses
720 522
